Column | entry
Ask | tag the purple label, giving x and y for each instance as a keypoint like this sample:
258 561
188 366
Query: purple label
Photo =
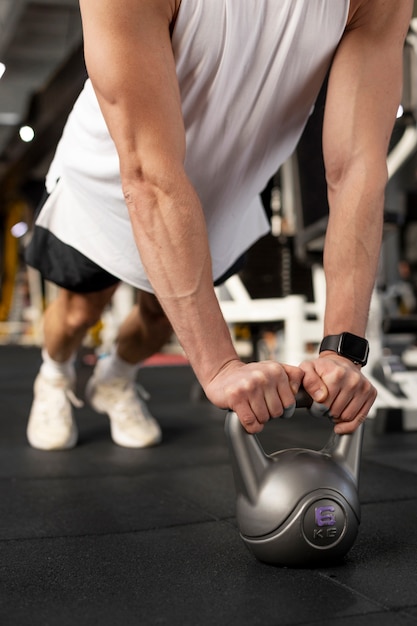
325 516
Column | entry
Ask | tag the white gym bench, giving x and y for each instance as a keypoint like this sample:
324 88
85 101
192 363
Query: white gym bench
303 321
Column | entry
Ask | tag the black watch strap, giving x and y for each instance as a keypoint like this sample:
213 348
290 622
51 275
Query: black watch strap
350 346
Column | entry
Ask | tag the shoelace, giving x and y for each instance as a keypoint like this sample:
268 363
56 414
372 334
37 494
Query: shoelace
145 396
142 392
75 401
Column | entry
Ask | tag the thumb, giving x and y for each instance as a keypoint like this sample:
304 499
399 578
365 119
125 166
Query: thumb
315 386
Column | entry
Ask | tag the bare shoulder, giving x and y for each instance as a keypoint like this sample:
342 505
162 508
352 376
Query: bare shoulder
380 17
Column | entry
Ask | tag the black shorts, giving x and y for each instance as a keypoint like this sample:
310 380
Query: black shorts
64 266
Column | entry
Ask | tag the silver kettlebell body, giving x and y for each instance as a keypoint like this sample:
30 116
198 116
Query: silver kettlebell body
296 507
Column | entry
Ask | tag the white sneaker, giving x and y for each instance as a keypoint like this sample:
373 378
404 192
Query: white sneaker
51 425
131 424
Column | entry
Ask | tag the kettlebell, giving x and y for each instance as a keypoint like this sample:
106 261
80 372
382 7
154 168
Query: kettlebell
296 507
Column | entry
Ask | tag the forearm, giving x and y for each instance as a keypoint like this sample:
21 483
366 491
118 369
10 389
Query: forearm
352 249
170 232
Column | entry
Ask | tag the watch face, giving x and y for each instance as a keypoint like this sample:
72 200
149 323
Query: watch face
353 347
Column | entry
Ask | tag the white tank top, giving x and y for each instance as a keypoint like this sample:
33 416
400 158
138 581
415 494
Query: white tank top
249 72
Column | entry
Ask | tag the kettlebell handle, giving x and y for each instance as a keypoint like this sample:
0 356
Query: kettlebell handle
346 449
303 400
246 450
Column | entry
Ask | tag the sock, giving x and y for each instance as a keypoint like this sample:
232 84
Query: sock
112 366
52 370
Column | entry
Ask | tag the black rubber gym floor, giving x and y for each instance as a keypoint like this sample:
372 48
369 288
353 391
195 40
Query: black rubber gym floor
112 536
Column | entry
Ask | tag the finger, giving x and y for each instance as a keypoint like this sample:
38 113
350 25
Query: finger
272 402
288 389
321 411
248 419
345 428
295 377
352 407
283 404
260 408
313 383
289 411
353 416
272 392
353 399
348 423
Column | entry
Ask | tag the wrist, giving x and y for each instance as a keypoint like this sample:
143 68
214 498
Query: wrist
212 357
329 354
348 346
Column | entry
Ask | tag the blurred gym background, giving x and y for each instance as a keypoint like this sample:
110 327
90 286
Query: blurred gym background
41 73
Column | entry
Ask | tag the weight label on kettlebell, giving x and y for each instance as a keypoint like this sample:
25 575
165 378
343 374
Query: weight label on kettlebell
325 516
324 523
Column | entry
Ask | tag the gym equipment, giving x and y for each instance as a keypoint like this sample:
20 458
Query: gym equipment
296 507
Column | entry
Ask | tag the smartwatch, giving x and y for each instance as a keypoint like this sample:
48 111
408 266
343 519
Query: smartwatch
352 347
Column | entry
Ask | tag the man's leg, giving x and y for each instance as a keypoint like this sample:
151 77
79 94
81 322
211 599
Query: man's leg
113 389
66 321
68 318
145 331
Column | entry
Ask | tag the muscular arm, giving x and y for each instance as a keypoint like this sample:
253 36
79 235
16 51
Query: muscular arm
363 96
130 62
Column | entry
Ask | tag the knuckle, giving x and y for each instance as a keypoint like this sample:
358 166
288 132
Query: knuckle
259 378
361 418
248 424
263 417
247 419
253 427
336 377
356 379
275 369
280 375
233 395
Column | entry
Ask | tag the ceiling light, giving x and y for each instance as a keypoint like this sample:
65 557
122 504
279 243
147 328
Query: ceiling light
26 133
19 229
2 69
